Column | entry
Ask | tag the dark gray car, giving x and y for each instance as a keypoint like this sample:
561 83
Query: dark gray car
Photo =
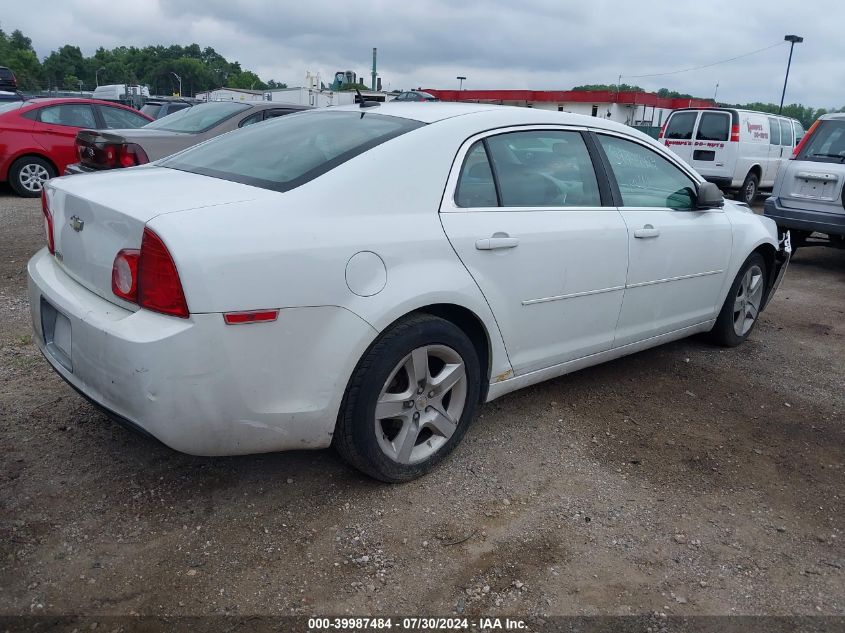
807 197
110 149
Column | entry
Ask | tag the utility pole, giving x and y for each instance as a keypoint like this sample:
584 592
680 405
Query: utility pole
96 76
793 40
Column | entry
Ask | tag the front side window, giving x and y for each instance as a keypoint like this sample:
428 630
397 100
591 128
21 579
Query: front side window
714 126
645 178
774 132
200 118
289 151
70 114
680 125
543 169
120 118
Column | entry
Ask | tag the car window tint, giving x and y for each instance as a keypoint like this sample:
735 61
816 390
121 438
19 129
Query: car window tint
714 126
120 118
774 132
645 178
71 114
272 114
785 133
799 131
151 109
252 118
680 125
475 184
544 169
289 151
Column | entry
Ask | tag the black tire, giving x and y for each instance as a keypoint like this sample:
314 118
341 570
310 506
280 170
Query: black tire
724 332
21 175
749 190
355 435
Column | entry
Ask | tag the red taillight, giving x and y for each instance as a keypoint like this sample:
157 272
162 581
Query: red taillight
159 287
256 316
48 222
809 133
124 274
131 154
735 134
149 277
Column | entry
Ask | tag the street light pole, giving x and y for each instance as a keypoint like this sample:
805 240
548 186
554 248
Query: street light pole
793 40
179 79
461 79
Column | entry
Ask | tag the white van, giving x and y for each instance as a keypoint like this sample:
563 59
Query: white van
741 151
118 92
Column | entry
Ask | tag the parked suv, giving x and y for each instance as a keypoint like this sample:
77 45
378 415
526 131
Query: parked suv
808 196
8 81
740 151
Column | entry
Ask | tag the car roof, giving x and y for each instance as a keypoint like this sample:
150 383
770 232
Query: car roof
833 115
42 101
484 114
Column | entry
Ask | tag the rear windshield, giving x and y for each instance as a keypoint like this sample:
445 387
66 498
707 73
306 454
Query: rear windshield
680 125
289 151
5 73
827 143
199 118
714 126
151 109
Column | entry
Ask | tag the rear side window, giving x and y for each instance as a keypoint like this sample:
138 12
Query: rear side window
799 131
714 126
120 118
645 178
289 151
680 125
475 185
70 114
544 169
785 133
774 132
826 144
151 109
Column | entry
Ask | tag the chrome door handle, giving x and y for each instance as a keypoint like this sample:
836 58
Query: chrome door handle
646 232
495 243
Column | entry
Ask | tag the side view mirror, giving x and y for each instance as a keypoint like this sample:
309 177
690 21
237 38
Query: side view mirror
709 196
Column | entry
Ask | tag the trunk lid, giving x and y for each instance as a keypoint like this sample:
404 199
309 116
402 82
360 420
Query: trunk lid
97 215
93 146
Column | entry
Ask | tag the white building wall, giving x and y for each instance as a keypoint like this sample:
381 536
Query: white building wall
629 114
310 96
224 94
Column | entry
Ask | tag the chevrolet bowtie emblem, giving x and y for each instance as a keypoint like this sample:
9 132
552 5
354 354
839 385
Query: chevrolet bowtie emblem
76 224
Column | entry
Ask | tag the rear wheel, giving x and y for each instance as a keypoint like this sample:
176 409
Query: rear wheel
749 189
410 400
28 174
742 306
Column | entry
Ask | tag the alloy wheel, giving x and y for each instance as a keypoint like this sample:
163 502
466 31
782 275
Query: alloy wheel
748 299
33 176
420 405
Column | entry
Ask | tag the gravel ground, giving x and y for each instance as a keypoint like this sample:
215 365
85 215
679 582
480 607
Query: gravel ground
685 480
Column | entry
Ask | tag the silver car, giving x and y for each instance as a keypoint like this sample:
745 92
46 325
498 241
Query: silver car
110 149
807 197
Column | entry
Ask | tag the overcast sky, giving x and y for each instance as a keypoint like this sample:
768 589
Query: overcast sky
534 44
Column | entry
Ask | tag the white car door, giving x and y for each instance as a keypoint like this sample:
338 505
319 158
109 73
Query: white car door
677 255
538 232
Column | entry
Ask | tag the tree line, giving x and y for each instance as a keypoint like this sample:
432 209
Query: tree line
68 69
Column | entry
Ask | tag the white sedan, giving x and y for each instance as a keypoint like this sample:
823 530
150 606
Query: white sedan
365 277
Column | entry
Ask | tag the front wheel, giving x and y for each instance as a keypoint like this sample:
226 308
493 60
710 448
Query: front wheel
28 174
742 306
410 400
750 187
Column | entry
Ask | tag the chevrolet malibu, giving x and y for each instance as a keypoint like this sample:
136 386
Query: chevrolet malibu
366 277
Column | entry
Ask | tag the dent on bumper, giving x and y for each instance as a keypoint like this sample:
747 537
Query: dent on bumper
198 385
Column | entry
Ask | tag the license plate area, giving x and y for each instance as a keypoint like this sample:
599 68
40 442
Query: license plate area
57 334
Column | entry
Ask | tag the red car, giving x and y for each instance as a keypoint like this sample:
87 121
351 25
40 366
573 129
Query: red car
38 136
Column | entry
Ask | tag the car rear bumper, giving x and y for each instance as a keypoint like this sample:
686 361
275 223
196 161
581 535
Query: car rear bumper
782 257
804 220
78 168
198 385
